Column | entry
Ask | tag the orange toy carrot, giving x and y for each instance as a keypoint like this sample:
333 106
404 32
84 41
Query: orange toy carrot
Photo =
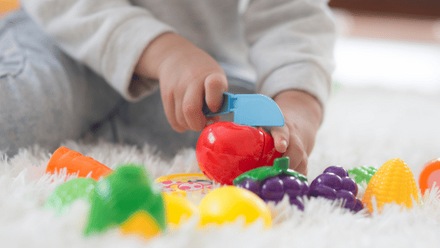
75 162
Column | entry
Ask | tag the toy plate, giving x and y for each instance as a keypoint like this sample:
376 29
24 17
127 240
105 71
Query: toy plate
183 183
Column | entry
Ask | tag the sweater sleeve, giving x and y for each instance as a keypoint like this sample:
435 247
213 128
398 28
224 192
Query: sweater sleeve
291 45
109 36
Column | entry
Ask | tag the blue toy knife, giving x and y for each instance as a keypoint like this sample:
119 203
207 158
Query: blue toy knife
249 109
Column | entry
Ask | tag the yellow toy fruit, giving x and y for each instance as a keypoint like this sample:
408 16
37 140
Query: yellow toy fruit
178 209
226 204
393 182
141 223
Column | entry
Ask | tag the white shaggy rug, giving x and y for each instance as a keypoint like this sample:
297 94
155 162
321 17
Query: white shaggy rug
362 127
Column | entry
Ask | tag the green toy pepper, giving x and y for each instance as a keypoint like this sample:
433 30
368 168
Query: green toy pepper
125 193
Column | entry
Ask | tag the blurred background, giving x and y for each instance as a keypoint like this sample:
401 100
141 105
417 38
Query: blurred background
386 43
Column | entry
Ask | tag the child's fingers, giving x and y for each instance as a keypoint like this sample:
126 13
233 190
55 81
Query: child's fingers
281 136
215 85
170 111
302 167
192 108
214 119
297 155
291 146
178 111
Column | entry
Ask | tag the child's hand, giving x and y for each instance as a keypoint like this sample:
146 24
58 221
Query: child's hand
187 75
302 115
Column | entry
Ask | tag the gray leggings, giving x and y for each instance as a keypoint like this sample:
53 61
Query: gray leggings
46 98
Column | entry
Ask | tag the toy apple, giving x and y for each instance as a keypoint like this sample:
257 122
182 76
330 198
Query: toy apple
225 150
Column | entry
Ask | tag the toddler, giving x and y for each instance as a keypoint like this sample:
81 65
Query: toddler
141 69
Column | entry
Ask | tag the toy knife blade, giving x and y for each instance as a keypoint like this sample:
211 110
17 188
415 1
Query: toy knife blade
249 109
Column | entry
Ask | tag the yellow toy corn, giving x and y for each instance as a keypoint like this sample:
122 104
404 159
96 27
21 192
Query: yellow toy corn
393 182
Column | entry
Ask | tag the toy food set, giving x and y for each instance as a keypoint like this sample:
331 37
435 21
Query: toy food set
127 200
235 153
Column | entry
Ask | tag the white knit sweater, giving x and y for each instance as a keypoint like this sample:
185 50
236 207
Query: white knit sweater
289 43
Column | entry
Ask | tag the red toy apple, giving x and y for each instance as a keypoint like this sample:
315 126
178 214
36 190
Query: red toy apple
225 150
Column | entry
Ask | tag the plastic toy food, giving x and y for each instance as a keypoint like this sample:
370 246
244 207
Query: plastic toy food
127 198
227 204
142 224
362 174
393 182
68 192
9 5
225 150
335 184
180 184
271 183
178 209
430 175
75 162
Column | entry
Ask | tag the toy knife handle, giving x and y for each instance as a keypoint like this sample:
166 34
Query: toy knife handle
223 109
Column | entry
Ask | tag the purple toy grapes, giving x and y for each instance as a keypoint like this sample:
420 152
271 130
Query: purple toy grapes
350 185
294 187
336 169
335 184
251 185
272 183
328 179
359 206
274 189
347 198
322 190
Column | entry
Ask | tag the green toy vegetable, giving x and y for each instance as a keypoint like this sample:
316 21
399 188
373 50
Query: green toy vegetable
123 193
362 173
280 167
68 192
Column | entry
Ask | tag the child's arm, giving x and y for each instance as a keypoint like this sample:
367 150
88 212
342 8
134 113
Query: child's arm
186 76
106 35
